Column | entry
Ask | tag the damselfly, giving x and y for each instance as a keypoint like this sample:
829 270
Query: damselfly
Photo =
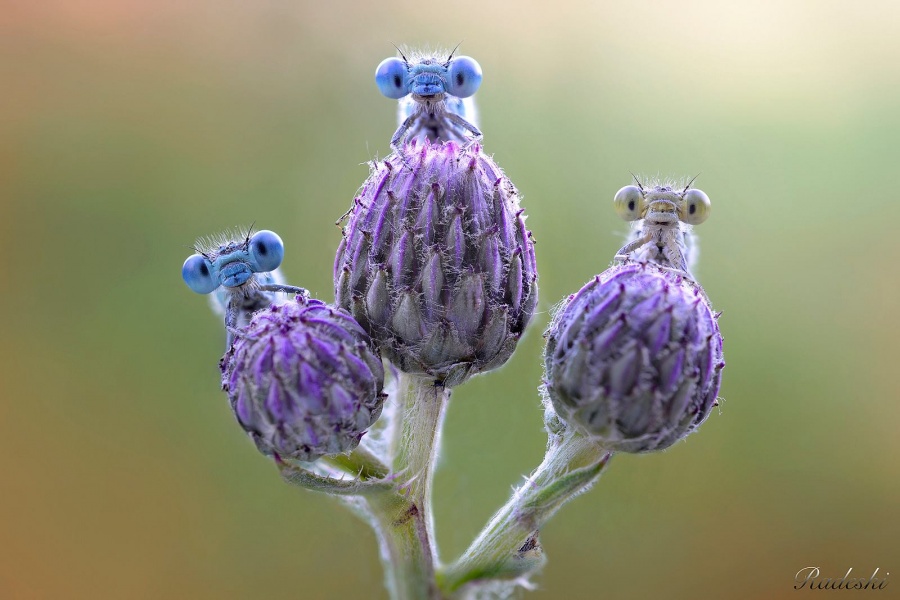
435 97
664 214
242 270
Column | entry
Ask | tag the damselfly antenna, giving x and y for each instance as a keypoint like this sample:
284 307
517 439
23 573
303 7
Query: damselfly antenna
452 52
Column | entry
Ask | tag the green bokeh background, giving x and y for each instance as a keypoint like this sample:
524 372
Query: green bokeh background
131 127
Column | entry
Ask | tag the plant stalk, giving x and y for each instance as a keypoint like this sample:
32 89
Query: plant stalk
403 521
508 547
404 546
418 444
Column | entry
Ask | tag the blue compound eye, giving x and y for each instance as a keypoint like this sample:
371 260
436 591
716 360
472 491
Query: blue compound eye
266 251
392 78
465 76
198 276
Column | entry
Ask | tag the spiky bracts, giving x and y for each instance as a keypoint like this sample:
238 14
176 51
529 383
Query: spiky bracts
436 263
634 359
304 380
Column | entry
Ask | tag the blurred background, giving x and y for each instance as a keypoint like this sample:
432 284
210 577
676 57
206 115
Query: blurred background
129 128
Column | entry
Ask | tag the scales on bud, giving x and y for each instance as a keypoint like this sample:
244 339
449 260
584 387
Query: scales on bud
634 359
304 380
436 263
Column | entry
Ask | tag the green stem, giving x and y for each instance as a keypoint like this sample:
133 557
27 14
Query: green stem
360 463
329 485
404 546
397 501
508 548
417 444
403 521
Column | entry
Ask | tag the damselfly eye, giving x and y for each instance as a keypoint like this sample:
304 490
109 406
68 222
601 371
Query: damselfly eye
465 76
629 203
392 79
266 251
198 276
696 207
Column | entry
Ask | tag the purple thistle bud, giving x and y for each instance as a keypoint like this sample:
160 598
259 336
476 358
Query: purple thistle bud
634 359
436 263
304 380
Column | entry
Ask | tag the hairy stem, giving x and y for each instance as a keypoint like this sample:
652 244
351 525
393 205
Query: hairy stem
329 485
404 545
508 547
360 462
418 442
403 520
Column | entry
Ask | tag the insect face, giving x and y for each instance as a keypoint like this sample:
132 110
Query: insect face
661 207
233 270
428 80
232 263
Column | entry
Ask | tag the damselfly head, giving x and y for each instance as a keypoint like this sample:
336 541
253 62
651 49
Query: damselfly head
662 204
428 76
232 260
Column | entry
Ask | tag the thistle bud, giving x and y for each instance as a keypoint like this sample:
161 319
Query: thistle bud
634 359
304 380
436 263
